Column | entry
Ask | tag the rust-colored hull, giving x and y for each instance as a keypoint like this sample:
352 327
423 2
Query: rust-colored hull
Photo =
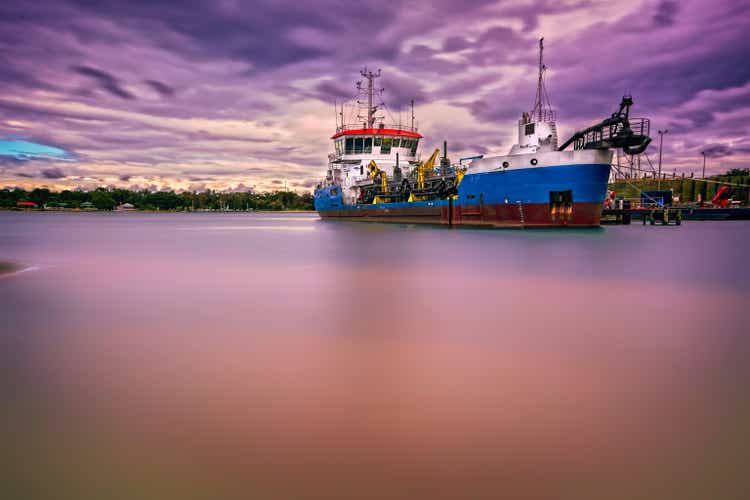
500 216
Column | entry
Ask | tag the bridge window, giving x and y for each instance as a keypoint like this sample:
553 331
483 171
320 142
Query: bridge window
397 142
368 145
385 148
529 129
414 145
358 145
377 142
349 145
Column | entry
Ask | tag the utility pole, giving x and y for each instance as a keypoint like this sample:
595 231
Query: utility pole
661 141
704 163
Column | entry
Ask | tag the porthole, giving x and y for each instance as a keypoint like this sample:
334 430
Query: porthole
533 161
506 164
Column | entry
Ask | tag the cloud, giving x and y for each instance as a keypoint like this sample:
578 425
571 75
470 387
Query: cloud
162 88
240 188
105 80
53 173
718 150
226 95
666 13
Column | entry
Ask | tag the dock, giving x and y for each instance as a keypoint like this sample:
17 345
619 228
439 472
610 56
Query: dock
672 215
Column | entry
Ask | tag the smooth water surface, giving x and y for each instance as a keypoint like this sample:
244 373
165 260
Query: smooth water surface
282 356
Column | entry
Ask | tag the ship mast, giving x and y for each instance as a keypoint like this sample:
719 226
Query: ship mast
539 104
370 92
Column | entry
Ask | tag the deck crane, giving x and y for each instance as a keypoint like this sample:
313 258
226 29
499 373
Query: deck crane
426 167
617 131
374 171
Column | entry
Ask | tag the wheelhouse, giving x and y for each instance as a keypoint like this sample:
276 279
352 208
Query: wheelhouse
379 142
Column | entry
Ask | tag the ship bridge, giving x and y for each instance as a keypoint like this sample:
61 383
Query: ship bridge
368 138
382 142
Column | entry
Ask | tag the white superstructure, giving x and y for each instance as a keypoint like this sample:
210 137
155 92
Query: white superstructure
393 147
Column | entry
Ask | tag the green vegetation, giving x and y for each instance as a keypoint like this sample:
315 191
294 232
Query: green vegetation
105 199
685 187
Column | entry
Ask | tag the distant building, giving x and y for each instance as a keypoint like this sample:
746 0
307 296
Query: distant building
125 207
53 205
25 204
87 205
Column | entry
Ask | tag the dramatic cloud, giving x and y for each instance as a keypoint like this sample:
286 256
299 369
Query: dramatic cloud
162 88
230 94
665 13
53 173
105 81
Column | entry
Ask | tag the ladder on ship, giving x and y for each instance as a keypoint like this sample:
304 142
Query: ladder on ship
553 131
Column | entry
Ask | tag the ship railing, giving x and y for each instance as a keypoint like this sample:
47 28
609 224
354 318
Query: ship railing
547 115
363 125
631 203
642 203
640 126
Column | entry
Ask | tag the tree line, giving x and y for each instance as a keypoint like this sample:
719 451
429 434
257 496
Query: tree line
108 199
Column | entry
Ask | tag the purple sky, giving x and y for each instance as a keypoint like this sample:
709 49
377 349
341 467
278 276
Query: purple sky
229 94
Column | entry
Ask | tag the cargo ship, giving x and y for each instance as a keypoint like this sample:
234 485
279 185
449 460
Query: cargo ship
376 174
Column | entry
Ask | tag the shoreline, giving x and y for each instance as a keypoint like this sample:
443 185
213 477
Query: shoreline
9 268
160 211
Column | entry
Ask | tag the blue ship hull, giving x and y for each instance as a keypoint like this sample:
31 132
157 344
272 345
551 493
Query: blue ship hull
564 195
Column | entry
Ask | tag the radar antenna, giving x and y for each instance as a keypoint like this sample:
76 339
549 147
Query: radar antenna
369 92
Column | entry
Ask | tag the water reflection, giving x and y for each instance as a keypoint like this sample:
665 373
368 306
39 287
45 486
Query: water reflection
376 361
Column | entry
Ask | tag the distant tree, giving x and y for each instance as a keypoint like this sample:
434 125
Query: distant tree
169 200
103 200
40 196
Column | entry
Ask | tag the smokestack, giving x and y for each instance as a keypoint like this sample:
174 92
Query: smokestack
397 174
445 163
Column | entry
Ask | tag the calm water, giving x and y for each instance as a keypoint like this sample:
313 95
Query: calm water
281 356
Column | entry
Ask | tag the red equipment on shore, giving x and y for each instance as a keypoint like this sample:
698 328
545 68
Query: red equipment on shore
722 196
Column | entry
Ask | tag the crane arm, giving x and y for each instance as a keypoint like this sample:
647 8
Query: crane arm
426 167
430 163
374 171
617 131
